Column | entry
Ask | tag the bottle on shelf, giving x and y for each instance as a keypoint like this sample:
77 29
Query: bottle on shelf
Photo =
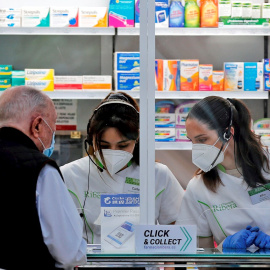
177 14
192 14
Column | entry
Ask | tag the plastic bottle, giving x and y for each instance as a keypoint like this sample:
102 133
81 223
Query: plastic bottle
209 13
177 14
192 14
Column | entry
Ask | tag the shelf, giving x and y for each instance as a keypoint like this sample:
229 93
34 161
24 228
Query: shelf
109 31
100 94
203 94
226 31
173 145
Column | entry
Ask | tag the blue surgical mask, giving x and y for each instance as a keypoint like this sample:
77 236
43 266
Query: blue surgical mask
48 151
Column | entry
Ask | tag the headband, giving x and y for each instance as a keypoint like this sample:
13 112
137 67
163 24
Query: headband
115 101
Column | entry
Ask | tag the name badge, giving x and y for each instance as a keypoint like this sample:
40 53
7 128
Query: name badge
260 194
132 185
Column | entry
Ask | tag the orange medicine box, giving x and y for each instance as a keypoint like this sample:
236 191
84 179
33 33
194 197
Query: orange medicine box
189 75
205 77
97 82
218 80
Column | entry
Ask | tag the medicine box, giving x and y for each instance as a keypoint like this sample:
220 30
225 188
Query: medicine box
97 82
5 71
121 13
4 22
237 9
181 113
256 11
127 81
233 76
127 61
181 135
205 77
137 13
267 82
266 66
10 13
171 75
64 17
165 134
162 13
93 17
159 75
39 74
266 10
253 76
224 8
68 82
4 84
165 120
189 75
43 85
218 80
247 10
18 77
35 17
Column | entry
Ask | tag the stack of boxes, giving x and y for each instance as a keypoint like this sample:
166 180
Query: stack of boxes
5 76
266 70
41 79
127 70
181 113
170 121
164 121
10 17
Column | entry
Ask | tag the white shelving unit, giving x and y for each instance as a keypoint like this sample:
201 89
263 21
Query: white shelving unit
79 31
225 31
173 145
100 94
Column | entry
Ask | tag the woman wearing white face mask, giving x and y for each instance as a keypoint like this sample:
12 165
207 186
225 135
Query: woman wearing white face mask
112 165
222 199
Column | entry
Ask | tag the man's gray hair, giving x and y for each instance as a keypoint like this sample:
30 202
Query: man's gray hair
21 102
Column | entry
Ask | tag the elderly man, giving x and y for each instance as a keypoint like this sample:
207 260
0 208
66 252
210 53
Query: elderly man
40 226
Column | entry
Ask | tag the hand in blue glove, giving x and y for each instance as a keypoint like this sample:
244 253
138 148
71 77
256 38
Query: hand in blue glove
262 240
241 239
254 232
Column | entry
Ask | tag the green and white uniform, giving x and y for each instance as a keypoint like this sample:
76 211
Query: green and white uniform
168 191
225 212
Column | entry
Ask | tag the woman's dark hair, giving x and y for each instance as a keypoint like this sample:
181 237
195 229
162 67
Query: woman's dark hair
122 116
250 154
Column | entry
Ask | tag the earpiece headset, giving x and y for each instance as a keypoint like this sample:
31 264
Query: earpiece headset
112 99
227 134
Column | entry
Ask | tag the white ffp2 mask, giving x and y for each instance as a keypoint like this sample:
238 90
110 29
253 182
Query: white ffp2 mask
115 159
203 155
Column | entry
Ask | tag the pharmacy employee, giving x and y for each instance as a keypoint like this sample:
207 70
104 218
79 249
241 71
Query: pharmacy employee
112 166
228 197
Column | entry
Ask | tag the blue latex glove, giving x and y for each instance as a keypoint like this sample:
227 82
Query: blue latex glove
262 240
254 232
242 239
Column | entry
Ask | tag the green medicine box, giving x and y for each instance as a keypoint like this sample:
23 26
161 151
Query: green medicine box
5 71
4 84
18 77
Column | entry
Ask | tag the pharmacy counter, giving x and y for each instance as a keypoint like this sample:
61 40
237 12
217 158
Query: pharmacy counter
202 258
